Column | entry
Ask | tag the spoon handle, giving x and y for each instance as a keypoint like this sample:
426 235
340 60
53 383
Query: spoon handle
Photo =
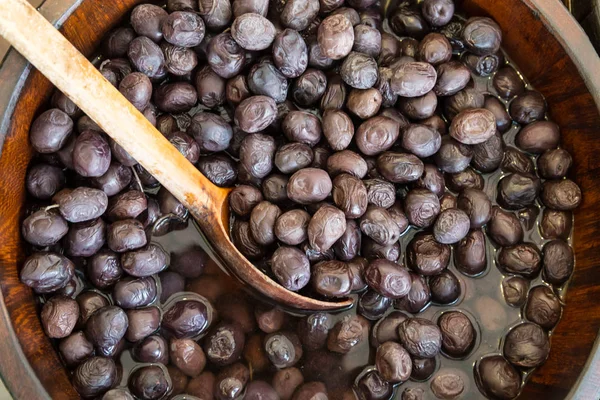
40 43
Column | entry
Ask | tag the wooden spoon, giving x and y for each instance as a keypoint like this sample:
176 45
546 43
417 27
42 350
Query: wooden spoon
38 41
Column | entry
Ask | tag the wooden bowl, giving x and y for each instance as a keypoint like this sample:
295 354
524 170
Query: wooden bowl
539 35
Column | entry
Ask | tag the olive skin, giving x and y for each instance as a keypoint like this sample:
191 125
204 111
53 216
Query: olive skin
421 337
44 228
309 185
50 131
95 376
46 272
388 279
498 378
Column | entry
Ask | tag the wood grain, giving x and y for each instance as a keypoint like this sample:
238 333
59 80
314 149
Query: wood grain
542 54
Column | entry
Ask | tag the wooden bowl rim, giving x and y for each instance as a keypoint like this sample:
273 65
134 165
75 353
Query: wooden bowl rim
19 377
16 372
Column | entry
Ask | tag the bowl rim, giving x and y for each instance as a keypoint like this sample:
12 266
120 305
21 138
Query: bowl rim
567 31
17 373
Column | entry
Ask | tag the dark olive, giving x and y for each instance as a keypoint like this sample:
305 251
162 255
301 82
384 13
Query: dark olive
224 55
421 337
508 83
336 36
561 195
377 135
484 65
423 368
335 94
470 253
516 161
372 386
526 345
432 180
105 329
75 349
91 154
350 195
187 318
364 103
388 279
224 344
487 156
286 381
59 316
291 267
413 79
408 22
419 296
297 14
326 226
149 382
515 290
445 287
95 376
332 278
367 39
147 57
453 156
557 261
400 167
543 307
46 272
309 185
142 323
50 131
421 140
359 71
453 76
348 333
390 49
283 349
497 378
504 227
216 13
458 333
556 224
386 329
503 120
380 193
426 256
465 99
434 49
338 129
554 164
447 386
146 20
44 228
523 259
482 35
421 207
527 108
437 12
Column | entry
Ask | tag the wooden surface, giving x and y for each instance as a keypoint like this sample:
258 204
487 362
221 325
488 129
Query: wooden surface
542 58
